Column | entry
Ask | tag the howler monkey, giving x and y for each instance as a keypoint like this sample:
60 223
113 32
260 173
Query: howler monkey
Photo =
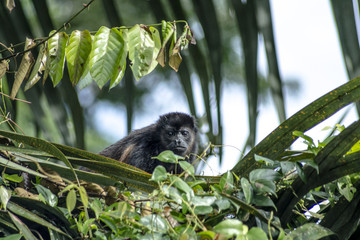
173 131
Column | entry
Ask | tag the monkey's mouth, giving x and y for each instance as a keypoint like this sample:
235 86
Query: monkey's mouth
179 149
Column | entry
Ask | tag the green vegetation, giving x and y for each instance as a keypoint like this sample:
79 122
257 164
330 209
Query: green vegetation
273 192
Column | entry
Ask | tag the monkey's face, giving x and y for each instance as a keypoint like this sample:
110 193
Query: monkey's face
177 140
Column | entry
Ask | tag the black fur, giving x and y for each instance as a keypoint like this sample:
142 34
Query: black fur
173 131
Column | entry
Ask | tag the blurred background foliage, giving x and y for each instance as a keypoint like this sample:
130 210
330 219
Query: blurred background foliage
226 54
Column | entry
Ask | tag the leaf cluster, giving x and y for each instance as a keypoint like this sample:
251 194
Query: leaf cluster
101 56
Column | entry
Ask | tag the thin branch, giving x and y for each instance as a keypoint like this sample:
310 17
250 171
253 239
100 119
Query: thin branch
85 6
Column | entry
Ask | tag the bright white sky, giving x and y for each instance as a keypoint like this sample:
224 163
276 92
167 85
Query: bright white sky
308 50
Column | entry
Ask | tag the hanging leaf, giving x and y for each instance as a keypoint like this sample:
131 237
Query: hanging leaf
25 66
106 54
39 67
119 70
167 30
4 66
56 52
144 46
77 52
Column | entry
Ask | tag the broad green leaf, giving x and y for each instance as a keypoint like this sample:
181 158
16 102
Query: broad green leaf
119 71
203 201
13 178
266 174
20 211
264 186
227 182
309 231
168 157
83 196
264 159
108 50
263 201
5 196
47 195
256 233
207 235
56 55
203 210
181 185
247 189
77 52
38 68
25 231
231 228
154 223
159 174
144 46
188 167
71 200
247 207
223 204
27 62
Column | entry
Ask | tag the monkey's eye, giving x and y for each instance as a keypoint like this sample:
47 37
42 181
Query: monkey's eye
184 133
170 133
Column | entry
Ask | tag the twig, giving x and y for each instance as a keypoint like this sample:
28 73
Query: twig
47 38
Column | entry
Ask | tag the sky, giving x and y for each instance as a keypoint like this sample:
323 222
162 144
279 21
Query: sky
308 50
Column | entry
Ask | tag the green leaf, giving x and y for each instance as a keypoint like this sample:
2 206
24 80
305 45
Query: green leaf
264 174
181 185
18 210
13 178
12 237
159 174
144 46
203 210
77 52
231 228
56 55
168 157
256 233
266 160
71 200
188 167
83 196
247 189
119 71
274 145
207 235
309 231
154 222
264 186
109 222
108 50
227 182
167 30
25 231
300 172
39 144
263 201
49 197
5 196
223 204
